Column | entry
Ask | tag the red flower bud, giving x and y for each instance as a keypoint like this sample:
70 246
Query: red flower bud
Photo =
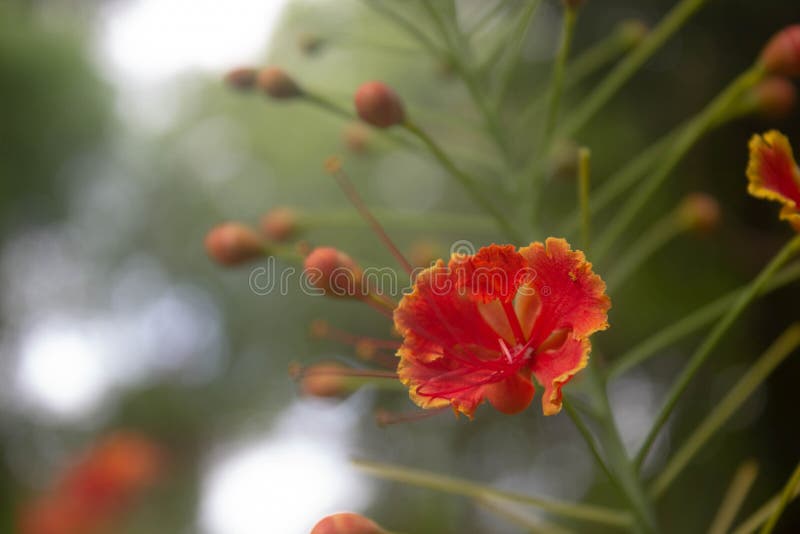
243 78
233 243
334 272
782 53
279 224
347 523
699 212
277 84
378 105
775 97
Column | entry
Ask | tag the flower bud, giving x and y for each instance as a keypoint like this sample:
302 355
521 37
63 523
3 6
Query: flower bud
633 31
243 78
233 243
699 212
377 104
277 84
334 272
775 97
782 53
325 380
356 137
347 523
279 224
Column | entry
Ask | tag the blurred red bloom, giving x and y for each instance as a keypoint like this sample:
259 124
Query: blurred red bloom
97 489
478 328
774 174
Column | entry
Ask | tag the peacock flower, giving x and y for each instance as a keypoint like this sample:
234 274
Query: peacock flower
480 327
774 174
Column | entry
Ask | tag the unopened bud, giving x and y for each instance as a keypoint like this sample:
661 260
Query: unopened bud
279 224
334 272
633 31
347 523
775 97
277 84
243 78
699 212
782 53
233 243
325 380
356 137
310 44
377 104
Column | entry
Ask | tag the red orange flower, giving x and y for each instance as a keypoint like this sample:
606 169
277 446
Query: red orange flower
774 175
478 328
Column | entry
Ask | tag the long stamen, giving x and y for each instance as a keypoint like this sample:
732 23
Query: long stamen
513 320
334 167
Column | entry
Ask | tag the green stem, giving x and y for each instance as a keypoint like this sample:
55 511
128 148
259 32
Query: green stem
714 337
614 81
786 495
707 119
590 442
583 66
512 516
737 395
651 241
692 323
410 28
466 181
513 50
466 488
584 177
486 18
734 497
557 80
618 459
764 512
412 220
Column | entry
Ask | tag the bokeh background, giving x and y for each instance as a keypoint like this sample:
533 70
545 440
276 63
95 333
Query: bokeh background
120 147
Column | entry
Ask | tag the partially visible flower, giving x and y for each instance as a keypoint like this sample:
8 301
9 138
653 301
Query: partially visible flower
478 328
276 83
279 224
347 523
233 243
377 104
773 174
95 491
699 212
781 55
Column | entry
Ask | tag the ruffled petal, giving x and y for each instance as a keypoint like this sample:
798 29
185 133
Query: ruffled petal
570 296
493 273
554 368
773 174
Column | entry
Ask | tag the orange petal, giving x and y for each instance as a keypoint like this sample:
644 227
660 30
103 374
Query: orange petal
556 367
493 273
571 296
773 173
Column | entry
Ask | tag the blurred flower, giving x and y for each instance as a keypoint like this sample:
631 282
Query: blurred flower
334 272
377 104
774 175
233 243
477 328
781 55
277 84
279 224
93 493
699 212
243 78
347 523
